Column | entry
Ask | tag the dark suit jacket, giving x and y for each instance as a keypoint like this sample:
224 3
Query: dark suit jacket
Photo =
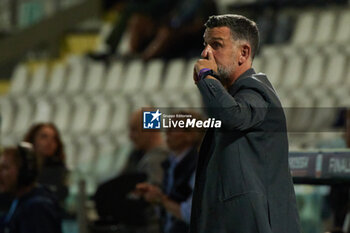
243 183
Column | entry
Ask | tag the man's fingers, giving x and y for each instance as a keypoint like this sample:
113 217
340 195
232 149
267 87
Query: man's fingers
195 75
195 71
210 55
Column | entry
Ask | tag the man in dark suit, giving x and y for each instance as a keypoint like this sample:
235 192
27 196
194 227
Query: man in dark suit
243 183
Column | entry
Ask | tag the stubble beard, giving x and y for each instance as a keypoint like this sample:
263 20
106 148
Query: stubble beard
224 74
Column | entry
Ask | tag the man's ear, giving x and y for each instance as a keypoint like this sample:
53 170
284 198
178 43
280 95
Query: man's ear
244 53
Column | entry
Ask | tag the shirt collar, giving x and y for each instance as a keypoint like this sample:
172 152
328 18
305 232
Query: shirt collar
177 158
247 73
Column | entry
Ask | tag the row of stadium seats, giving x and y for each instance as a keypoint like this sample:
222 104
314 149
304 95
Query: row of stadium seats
80 114
322 27
79 75
82 96
287 67
294 67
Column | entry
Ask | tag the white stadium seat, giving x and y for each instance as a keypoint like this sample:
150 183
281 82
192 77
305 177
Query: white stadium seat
325 27
174 75
8 113
153 76
161 99
273 68
114 78
342 35
120 116
347 71
314 70
19 80
24 115
63 109
188 81
305 28
100 116
292 75
138 101
95 78
335 70
57 81
43 110
134 78
81 117
76 76
258 64
38 82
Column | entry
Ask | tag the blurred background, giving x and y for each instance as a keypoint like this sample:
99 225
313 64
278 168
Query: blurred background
86 65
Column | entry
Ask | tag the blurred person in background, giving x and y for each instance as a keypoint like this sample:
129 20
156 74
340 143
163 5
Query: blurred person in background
149 150
34 208
160 28
336 204
49 149
115 203
175 197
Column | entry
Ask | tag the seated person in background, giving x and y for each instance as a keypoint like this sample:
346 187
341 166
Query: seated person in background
176 33
160 28
34 209
176 196
149 150
49 149
114 203
338 198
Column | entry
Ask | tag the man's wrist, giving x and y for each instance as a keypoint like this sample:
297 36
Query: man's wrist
203 73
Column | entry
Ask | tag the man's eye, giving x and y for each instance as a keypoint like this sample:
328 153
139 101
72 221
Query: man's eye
216 45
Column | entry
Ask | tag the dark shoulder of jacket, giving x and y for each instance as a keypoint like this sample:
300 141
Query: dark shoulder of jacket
39 197
259 83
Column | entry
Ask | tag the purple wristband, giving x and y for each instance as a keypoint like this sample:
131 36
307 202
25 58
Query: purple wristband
202 71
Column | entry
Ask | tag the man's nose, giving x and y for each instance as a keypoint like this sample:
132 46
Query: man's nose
204 53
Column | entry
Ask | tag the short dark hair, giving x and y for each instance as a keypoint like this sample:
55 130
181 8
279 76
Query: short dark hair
241 28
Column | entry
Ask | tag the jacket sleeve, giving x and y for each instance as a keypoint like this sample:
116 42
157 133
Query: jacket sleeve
241 112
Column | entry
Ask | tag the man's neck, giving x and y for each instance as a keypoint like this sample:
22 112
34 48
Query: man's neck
239 71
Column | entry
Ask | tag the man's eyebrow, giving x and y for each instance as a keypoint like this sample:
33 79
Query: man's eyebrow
212 39
217 38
